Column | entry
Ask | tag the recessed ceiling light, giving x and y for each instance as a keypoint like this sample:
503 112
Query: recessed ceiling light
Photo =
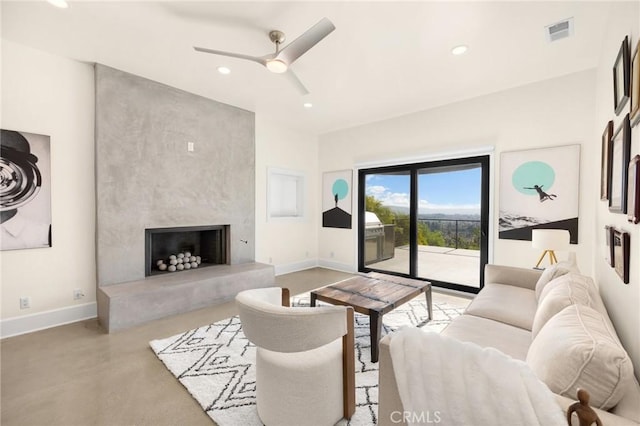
459 50
62 4
307 105
224 70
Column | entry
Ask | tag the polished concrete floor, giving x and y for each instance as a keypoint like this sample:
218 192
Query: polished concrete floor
78 375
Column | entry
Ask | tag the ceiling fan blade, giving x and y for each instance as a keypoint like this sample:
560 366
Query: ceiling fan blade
306 41
260 60
296 82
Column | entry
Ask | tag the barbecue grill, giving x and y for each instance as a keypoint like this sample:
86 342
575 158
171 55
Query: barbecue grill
379 239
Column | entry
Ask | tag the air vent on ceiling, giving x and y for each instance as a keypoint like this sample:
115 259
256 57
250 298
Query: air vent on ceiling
559 30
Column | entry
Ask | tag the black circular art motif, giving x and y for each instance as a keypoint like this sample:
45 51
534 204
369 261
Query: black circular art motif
20 179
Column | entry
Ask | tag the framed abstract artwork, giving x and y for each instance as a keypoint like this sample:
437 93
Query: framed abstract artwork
336 199
25 190
605 163
620 152
539 188
621 246
621 78
633 190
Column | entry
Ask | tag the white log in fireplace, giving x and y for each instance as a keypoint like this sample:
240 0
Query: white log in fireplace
206 245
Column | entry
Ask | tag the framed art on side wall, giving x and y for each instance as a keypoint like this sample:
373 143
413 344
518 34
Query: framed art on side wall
635 87
25 190
621 78
608 239
621 248
620 153
633 193
605 165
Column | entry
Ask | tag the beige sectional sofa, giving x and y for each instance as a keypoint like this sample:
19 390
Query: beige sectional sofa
557 323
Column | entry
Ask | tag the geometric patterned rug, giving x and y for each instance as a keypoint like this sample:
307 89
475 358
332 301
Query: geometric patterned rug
216 363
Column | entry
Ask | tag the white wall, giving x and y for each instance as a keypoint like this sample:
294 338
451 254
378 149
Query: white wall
550 113
289 244
50 95
621 299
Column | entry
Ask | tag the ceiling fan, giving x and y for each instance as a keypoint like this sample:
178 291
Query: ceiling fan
281 60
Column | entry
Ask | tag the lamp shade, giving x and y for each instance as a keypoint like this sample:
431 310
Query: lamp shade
550 239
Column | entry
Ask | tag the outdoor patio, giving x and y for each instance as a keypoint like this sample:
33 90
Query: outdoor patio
458 266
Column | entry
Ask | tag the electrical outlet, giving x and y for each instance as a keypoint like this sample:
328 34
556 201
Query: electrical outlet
25 303
332 254
78 294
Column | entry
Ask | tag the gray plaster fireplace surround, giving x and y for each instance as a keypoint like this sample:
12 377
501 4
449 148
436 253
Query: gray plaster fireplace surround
171 160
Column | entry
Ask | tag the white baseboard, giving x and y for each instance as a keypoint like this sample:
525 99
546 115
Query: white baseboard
342 267
43 320
295 267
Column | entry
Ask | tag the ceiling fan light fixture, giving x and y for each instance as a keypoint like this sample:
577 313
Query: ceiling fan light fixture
459 50
224 70
62 4
276 66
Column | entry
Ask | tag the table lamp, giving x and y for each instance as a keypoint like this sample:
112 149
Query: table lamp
550 240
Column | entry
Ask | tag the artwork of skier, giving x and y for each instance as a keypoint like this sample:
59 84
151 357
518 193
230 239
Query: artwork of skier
539 189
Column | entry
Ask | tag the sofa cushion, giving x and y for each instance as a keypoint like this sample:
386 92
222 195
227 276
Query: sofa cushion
505 303
577 349
554 271
510 340
583 281
569 289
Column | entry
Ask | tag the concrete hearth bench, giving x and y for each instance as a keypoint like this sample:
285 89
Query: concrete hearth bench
132 303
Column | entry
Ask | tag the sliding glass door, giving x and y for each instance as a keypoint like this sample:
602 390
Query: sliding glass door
427 221
387 225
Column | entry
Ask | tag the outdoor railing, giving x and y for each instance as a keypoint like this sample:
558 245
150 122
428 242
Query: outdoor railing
452 228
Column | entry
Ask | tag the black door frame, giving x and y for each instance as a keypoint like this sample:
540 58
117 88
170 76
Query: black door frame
413 169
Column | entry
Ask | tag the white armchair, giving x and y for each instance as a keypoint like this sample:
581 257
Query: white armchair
305 365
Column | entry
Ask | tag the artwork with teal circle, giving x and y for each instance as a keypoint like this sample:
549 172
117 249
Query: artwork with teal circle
535 178
336 199
340 190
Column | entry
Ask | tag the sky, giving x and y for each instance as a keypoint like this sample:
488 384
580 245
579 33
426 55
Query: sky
444 192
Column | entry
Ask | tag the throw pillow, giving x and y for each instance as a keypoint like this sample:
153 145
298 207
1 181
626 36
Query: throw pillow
554 271
577 349
569 289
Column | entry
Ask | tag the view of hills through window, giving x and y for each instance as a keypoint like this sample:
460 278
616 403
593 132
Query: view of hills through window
448 205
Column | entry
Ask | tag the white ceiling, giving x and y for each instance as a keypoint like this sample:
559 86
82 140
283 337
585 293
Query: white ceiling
384 59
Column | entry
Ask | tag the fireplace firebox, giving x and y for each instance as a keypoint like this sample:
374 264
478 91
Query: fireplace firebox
185 247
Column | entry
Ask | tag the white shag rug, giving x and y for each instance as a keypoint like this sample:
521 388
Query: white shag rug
216 363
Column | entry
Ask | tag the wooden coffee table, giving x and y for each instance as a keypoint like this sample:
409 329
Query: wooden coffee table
374 295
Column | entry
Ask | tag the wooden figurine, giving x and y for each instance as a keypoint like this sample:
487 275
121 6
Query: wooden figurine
586 415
